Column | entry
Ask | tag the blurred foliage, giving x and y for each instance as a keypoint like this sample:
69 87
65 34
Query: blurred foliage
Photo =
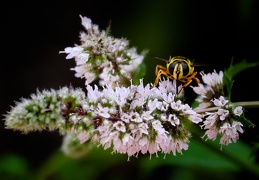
232 71
202 160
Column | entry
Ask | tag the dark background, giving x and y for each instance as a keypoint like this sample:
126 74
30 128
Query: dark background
32 34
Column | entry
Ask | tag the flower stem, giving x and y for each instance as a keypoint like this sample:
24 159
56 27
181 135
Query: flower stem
248 104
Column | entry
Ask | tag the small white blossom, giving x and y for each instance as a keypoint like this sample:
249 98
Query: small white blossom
230 132
120 126
222 113
102 111
209 91
86 22
135 117
238 110
221 101
83 137
82 59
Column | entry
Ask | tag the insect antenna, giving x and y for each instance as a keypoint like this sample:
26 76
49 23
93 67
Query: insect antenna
161 59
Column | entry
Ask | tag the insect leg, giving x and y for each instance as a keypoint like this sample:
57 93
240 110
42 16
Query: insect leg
159 71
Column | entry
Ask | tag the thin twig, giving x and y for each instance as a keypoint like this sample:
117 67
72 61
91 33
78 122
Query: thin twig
248 104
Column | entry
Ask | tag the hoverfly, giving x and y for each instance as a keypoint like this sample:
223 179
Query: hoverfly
178 68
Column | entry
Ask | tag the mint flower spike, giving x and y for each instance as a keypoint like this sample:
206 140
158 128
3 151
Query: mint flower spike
48 110
103 57
221 117
212 88
132 120
223 122
138 119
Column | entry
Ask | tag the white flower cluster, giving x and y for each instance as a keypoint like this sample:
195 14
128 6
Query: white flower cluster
102 56
138 119
212 88
221 122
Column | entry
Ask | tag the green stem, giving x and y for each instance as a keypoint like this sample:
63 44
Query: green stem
248 104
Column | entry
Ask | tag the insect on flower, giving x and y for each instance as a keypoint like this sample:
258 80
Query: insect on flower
178 68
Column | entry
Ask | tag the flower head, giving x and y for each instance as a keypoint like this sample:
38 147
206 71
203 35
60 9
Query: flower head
222 122
212 88
103 57
141 119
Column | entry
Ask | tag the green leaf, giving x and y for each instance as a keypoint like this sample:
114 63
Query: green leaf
244 120
139 73
14 167
235 69
232 71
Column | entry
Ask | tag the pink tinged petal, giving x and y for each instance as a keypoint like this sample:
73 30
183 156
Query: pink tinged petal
73 52
223 114
220 102
211 119
89 77
177 105
195 118
135 117
225 140
238 110
126 138
102 111
187 109
224 127
200 89
118 146
238 126
173 120
143 144
212 133
93 94
105 141
83 137
157 125
80 71
153 148
125 118
86 22
146 115
143 128
120 126
154 104
163 118
164 106
82 58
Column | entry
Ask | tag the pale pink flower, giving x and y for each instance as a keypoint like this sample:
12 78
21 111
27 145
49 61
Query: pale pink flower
238 110
221 101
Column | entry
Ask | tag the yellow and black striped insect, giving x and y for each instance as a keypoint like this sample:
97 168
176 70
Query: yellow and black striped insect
178 68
